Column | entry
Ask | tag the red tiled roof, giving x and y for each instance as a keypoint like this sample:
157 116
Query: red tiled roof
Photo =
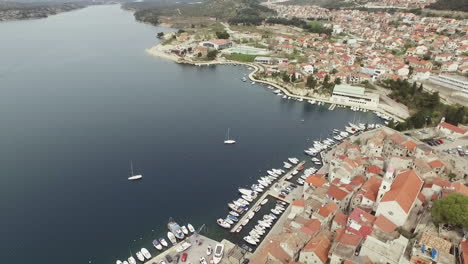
374 169
336 192
435 164
320 245
347 238
300 203
453 128
410 145
316 180
311 227
441 182
384 224
404 190
328 209
460 188
464 250
364 220
341 219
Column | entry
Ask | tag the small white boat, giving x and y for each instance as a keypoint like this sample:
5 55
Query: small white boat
229 141
264 201
209 250
246 191
247 198
234 213
250 215
145 253
157 245
125 262
190 228
140 256
172 238
118 262
245 222
239 229
185 230
257 208
163 242
223 223
250 240
218 253
252 83
131 260
133 177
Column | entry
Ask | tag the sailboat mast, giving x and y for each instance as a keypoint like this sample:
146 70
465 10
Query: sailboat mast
131 167
228 134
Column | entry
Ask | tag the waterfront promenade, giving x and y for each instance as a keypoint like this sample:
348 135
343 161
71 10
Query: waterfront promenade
269 192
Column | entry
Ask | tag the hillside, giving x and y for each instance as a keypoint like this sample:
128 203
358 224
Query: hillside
454 5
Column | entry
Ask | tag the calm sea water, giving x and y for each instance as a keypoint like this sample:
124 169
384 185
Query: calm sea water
80 98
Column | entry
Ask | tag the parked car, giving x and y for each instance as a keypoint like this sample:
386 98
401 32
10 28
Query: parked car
184 257
246 261
282 196
169 259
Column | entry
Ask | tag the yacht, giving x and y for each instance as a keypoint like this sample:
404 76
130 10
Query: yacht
185 230
131 260
133 177
172 238
190 228
223 223
264 201
157 245
250 240
163 242
175 229
229 141
145 253
218 253
140 256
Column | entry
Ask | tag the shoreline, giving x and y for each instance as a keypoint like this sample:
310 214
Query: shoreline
158 52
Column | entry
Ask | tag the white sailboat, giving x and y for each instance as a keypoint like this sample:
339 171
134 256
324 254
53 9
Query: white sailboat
229 141
133 177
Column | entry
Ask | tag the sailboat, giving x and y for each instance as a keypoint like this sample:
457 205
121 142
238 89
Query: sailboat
134 177
229 141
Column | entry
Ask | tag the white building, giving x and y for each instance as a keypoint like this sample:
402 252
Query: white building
391 252
345 94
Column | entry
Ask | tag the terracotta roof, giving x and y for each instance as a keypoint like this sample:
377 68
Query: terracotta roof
347 238
384 224
371 188
464 250
316 180
436 164
453 128
395 137
311 227
336 192
460 188
361 222
441 182
374 169
341 219
300 203
328 209
320 245
404 190
410 145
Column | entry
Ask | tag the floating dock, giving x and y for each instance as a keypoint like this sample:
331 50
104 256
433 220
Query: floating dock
265 194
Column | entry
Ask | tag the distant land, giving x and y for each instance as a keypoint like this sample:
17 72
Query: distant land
454 5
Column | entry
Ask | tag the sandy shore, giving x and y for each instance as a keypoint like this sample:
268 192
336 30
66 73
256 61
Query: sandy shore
164 52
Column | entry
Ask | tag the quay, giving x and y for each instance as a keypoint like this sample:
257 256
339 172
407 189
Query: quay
266 193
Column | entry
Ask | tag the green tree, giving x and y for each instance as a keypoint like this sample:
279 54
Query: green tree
160 34
286 78
452 210
338 80
222 34
326 79
212 54
293 77
311 82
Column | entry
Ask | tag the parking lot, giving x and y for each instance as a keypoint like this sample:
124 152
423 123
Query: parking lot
194 253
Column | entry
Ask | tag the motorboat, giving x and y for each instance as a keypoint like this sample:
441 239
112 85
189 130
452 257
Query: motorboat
239 229
245 222
145 253
209 250
264 201
185 230
257 208
287 165
190 228
157 245
131 260
218 253
163 242
223 223
125 262
175 229
234 207
229 141
293 160
133 177
229 221
247 198
140 256
172 238
234 213
250 240
118 262
246 191
233 218
250 215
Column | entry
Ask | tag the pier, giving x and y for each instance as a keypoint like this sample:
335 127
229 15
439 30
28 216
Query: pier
332 107
266 193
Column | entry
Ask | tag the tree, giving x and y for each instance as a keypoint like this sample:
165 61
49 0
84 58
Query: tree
326 79
222 34
333 71
338 80
452 210
293 77
160 34
311 82
212 54
286 78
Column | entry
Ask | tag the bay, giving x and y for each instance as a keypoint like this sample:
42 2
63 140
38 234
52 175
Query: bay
80 98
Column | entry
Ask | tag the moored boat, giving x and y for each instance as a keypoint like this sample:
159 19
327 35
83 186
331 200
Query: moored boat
190 228
163 242
145 253
218 253
175 229
157 245
172 238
